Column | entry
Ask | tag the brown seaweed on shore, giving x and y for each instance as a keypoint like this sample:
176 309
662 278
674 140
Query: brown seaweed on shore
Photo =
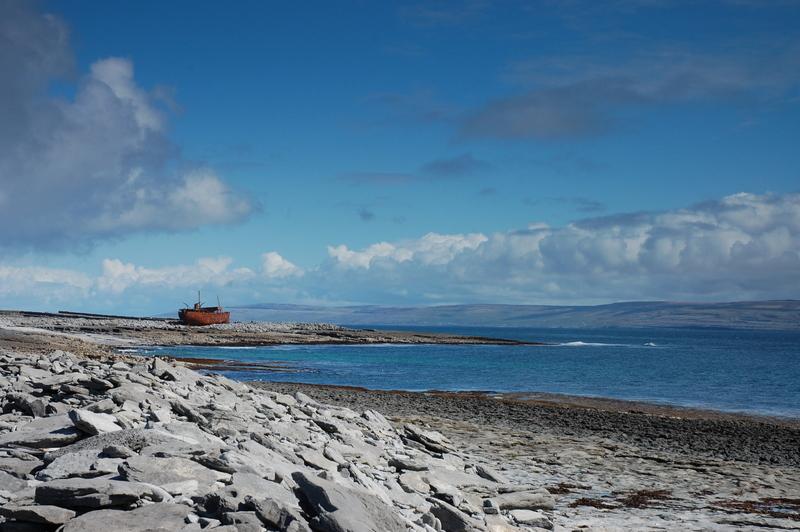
777 507
644 498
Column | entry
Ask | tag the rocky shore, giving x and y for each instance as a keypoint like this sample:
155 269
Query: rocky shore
96 440
34 331
613 465
141 444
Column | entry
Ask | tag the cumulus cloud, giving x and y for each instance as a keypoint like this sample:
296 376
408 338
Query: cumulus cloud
743 246
119 276
273 266
97 164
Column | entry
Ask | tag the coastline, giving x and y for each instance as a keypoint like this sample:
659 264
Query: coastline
599 463
709 433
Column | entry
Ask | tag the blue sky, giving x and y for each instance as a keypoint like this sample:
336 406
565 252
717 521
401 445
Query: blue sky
551 152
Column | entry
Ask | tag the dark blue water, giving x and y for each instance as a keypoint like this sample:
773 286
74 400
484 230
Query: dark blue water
744 371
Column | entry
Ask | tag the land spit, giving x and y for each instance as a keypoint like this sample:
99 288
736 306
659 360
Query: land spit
93 440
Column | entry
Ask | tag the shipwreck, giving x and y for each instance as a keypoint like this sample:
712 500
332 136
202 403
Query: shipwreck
200 315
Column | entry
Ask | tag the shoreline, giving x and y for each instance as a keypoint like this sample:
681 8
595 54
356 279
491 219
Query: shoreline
533 396
703 433
564 462
564 400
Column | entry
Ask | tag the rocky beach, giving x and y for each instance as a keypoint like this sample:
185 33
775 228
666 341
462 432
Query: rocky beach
92 438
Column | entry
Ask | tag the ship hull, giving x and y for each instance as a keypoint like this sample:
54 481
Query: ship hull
199 317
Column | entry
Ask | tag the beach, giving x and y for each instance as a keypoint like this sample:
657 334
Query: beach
542 461
614 464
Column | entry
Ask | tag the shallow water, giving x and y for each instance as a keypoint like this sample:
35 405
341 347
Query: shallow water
730 370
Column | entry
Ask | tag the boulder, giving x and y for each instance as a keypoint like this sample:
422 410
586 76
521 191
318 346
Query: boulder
531 518
430 439
93 423
44 514
84 464
53 431
276 514
151 518
11 483
175 475
525 500
453 519
96 493
19 467
336 508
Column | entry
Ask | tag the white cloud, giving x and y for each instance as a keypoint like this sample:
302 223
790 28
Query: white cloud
119 276
744 246
273 266
94 165
431 249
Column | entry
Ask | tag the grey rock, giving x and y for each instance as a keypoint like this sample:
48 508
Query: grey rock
135 439
93 423
243 521
96 493
453 519
525 500
337 508
84 464
27 404
53 431
531 518
11 483
117 451
275 514
150 518
488 473
19 467
244 485
316 460
430 439
45 514
175 475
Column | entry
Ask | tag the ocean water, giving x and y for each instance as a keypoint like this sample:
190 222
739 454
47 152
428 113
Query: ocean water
728 370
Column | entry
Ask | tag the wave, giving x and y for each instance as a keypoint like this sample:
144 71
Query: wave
237 347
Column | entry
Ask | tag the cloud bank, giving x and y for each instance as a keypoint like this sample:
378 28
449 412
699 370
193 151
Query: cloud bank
743 246
93 164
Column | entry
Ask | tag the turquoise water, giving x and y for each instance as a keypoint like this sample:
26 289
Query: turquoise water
744 371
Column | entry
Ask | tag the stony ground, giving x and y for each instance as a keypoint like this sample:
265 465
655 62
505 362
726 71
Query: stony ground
28 327
93 440
144 445
614 469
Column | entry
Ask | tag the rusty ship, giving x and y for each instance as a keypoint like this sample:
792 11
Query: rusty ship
200 315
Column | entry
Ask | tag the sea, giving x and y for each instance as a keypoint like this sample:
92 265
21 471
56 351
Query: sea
756 372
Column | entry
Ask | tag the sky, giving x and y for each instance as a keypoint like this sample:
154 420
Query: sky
397 153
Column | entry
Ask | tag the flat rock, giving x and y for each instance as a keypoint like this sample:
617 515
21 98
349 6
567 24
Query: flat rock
93 423
453 519
96 493
19 467
84 464
53 431
173 474
150 518
531 518
525 500
11 483
45 514
337 508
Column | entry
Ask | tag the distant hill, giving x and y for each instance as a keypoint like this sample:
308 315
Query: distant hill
776 315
